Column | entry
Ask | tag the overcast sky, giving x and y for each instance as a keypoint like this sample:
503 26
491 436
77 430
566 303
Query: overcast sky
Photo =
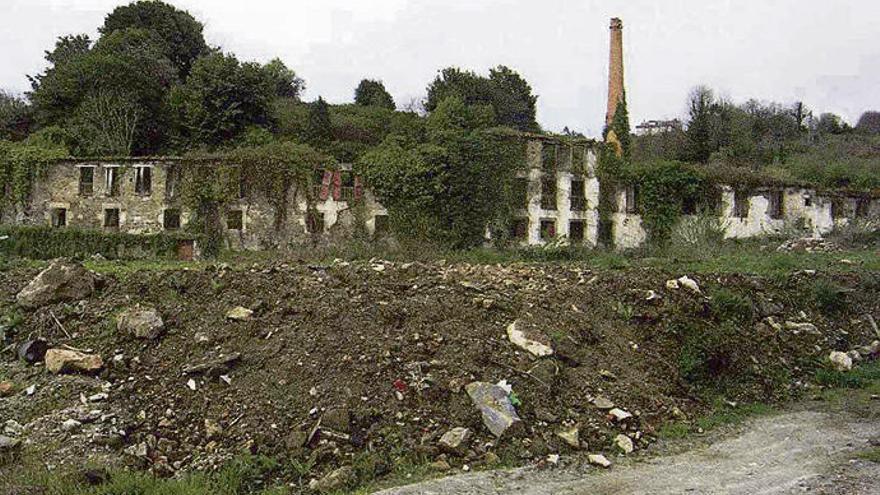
826 53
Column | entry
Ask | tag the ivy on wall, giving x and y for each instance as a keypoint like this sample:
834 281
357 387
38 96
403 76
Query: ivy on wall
209 181
20 165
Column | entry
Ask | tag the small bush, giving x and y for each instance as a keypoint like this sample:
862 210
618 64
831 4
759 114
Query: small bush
828 296
858 377
728 305
708 356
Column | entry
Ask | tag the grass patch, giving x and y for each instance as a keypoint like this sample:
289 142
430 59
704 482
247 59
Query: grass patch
859 377
872 455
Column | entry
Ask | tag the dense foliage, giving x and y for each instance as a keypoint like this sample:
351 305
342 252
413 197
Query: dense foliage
49 243
180 34
370 93
16 117
509 95
445 187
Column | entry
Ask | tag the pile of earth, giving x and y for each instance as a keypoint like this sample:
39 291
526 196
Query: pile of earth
353 369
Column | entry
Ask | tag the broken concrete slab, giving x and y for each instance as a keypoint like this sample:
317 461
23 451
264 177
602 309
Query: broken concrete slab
529 339
494 404
68 361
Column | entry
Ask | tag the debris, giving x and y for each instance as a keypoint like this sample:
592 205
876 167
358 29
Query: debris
70 425
213 368
33 351
571 436
440 465
599 460
553 459
8 444
212 429
602 403
98 397
619 414
191 384
336 480
493 402
338 419
142 322
796 327
529 340
624 443
62 281
239 313
689 284
67 361
7 388
455 441
672 284
30 390
841 361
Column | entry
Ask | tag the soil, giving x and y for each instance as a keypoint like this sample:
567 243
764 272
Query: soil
363 364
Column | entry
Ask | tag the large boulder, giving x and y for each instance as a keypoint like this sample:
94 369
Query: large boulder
62 281
67 361
494 404
142 322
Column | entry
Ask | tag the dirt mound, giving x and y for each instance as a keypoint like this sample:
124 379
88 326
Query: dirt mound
366 364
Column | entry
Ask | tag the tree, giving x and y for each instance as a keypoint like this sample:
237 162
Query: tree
370 93
830 123
451 186
285 82
319 130
512 99
506 91
128 61
869 123
16 117
701 103
180 34
105 123
220 99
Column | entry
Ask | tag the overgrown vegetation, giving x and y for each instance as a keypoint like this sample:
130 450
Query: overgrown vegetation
44 243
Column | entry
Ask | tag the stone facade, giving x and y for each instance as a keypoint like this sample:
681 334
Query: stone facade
557 186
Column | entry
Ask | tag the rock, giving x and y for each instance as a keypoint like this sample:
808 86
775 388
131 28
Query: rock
455 441
33 351
13 428
70 425
494 404
336 480
337 419
545 370
553 459
140 450
624 443
8 444
672 284
530 340
619 414
212 429
689 284
239 313
215 367
440 465
840 361
571 436
296 442
599 460
142 322
67 361
854 355
603 403
796 327
7 388
62 281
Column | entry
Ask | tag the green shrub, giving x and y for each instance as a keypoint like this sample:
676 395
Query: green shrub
708 357
828 296
858 377
49 243
728 305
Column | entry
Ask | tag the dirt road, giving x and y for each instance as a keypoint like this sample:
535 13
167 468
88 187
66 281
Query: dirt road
800 451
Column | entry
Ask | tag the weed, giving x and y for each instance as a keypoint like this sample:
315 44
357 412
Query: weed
624 311
872 455
828 296
674 431
728 305
858 377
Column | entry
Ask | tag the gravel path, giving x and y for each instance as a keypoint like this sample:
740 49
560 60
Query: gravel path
795 452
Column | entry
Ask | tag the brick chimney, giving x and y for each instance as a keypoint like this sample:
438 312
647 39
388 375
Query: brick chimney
615 70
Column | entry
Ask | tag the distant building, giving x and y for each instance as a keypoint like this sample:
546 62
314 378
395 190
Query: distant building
653 127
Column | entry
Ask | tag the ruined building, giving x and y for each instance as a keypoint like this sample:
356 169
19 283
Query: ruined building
556 187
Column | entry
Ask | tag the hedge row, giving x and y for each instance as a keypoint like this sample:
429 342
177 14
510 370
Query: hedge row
48 243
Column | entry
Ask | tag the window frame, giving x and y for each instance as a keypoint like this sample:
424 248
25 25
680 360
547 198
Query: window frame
143 180
238 215
82 183
108 215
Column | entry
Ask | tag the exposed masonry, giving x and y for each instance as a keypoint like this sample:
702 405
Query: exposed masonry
557 187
